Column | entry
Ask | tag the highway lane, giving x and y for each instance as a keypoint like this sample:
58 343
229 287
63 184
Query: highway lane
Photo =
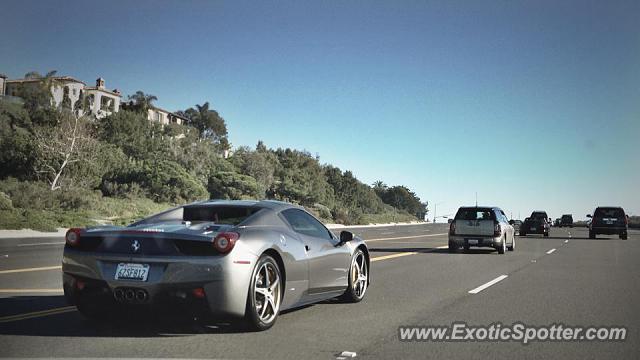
582 282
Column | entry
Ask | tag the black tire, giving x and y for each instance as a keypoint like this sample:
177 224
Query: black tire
513 245
623 236
546 234
466 248
592 235
522 233
452 247
501 249
252 318
351 295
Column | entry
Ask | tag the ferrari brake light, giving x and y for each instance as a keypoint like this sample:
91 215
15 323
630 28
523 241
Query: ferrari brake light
225 241
497 231
72 237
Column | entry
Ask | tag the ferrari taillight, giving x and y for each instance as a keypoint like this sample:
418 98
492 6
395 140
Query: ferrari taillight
225 241
72 237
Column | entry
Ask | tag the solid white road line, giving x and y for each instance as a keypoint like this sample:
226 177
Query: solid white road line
392 256
492 282
28 291
40 244
58 267
404 237
551 251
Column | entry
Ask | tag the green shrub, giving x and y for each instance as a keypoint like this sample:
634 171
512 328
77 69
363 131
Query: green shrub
29 194
162 180
5 202
231 185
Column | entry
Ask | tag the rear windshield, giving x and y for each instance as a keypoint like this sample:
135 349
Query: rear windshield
539 215
475 214
228 215
609 212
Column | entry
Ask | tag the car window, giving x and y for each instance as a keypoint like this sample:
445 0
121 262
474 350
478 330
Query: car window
228 215
475 214
609 213
305 224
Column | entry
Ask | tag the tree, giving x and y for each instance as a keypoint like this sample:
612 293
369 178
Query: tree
58 147
142 102
133 133
38 100
231 185
17 145
209 123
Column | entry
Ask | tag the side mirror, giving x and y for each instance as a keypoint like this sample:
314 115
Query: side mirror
345 236
511 222
588 215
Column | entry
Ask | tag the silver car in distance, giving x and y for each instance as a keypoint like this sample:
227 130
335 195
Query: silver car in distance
248 259
481 227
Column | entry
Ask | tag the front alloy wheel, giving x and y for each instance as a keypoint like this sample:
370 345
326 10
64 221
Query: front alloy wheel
358 277
265 294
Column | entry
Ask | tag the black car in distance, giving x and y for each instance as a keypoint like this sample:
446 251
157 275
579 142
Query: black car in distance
608 221
566 220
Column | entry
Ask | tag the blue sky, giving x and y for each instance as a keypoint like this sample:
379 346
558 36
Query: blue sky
531 104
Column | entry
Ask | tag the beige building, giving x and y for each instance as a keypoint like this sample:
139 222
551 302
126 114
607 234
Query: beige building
164 117
95 100
63 87
3 80
101 102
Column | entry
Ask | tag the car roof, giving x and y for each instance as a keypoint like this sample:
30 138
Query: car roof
270 204
480 207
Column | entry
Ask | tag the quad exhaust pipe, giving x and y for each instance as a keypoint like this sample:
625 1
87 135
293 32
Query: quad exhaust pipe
130 295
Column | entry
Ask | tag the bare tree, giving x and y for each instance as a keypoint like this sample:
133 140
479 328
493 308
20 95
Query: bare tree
68 142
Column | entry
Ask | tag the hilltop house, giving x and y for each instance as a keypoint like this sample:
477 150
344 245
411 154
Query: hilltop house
101 102
94 100
97 100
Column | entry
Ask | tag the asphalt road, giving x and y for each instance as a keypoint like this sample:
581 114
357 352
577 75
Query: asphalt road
414 282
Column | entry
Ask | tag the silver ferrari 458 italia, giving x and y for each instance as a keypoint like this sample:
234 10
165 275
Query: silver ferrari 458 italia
249 259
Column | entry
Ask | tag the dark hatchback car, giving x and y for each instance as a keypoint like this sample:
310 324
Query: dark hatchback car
608 221
566 220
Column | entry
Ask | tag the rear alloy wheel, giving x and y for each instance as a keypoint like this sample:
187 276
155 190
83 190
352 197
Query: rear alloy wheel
265 294
513 244
503 246
358 278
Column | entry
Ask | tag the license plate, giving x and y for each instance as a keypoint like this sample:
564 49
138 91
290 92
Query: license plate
609 222
533 229
472 242
128 271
